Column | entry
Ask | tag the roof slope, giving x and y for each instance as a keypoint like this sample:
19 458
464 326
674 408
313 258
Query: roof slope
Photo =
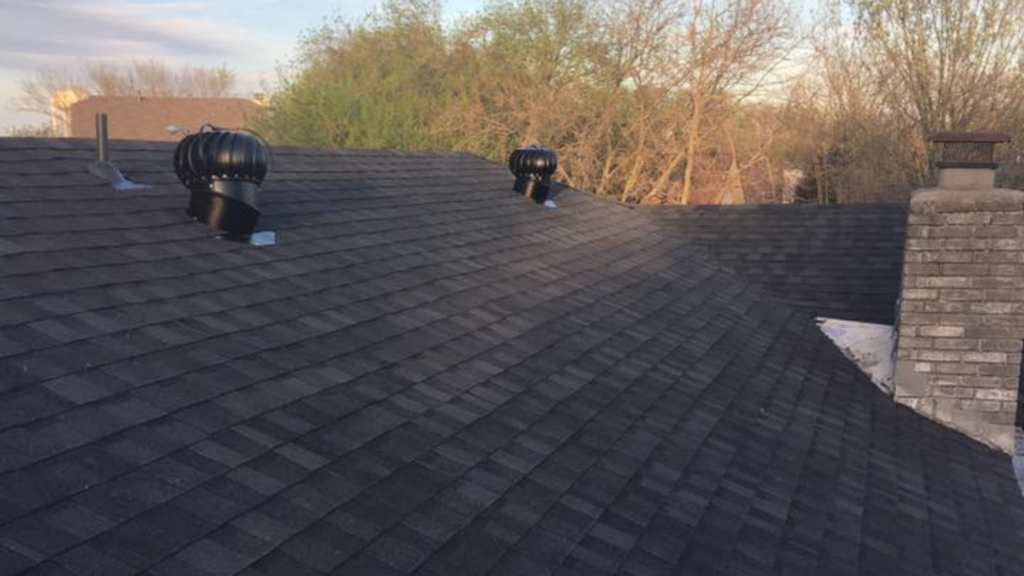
839 261
430 375
147 118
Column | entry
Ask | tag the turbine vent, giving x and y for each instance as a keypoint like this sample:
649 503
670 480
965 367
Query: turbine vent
533 168
223 171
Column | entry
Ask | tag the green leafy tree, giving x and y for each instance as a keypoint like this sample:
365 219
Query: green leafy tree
378 84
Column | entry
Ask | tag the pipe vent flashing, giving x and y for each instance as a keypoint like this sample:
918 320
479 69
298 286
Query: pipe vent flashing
102 167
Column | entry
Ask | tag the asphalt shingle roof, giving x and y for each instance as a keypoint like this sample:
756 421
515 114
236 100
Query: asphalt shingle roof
838 261
430 375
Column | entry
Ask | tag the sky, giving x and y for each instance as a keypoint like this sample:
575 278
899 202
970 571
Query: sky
251 37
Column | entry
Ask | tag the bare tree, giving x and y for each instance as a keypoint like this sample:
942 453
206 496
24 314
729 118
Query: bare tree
729 49
894 72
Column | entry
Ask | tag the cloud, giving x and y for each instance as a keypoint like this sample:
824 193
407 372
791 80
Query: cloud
52 32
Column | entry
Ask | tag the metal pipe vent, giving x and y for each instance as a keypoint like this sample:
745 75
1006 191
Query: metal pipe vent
533 168
223 170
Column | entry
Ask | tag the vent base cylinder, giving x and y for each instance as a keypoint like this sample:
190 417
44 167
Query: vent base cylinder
535 189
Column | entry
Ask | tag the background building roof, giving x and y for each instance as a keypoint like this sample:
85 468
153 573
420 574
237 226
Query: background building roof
143 118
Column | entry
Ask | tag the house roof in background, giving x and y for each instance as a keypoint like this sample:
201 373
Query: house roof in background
838 261
430 375
145 118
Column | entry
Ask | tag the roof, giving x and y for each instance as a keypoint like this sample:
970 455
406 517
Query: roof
838 260
147 118
430 375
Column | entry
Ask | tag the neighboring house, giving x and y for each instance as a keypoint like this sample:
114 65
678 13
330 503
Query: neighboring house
144 118
429 374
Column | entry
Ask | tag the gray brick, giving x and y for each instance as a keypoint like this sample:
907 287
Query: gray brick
987 381
968 218
1000 345
969 294
942 331
920 294
942 281
955 344
965 269
978 405
995 394
997 232
948 232
996 257
955 368
1008 218
946 307
937 356
992 307
955 392
985 357
1009 244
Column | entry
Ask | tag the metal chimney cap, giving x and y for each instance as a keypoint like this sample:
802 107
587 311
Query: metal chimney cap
969 150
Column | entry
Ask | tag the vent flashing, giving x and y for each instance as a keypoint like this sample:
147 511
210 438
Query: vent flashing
102 167
263 238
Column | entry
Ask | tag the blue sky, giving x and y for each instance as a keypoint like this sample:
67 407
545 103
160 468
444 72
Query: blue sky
249 36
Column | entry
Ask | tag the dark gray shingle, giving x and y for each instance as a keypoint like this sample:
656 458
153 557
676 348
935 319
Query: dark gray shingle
839 261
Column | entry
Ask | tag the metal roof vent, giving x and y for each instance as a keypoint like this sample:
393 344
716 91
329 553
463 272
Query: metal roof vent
223 170
102 167
533 168
968 159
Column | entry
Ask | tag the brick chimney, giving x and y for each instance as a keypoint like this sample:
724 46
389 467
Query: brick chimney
961 314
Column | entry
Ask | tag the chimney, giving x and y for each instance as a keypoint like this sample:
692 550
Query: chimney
533 168
223 170
961 311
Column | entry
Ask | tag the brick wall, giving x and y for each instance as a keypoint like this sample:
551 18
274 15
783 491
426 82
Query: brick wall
961 319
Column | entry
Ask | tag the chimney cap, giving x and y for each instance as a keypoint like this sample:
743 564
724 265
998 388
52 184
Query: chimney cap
969 151
970 138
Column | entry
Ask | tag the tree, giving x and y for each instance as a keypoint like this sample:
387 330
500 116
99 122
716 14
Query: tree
894 72
642 99
380 83
730 49
29 131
